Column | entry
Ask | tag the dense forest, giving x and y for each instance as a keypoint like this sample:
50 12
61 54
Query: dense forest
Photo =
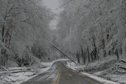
64 39
23 27
88 30
91 30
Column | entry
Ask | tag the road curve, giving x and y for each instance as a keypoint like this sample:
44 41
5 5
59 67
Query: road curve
60 74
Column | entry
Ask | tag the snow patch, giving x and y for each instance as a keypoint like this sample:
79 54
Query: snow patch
99 79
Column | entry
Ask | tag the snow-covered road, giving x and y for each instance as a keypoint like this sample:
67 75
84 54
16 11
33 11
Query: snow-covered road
58 73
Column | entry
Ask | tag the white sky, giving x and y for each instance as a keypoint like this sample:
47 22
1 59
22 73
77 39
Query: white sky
54 5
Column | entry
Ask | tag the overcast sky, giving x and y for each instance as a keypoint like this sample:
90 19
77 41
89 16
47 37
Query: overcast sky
54 5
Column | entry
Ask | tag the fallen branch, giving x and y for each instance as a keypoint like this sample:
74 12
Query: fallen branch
122 67
15 71
122 60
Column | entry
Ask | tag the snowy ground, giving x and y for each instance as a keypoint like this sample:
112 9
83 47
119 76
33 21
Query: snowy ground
17 78
117 78
113 73
79 67
102 80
